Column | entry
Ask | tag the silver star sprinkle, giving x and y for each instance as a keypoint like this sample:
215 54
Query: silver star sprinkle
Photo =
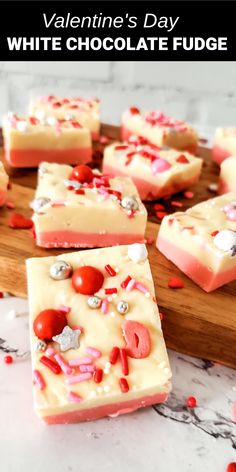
68 339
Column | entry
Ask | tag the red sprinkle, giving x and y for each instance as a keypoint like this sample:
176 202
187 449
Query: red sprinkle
182 159
8 359
33 120
176 204
191 402
55 368
161 214
97 375
214 233
110 270
80 191
175 282
134 111
124 386
114 355
231 467
10 205
125 282
188 194
109 291
121 147
56 104
124 361
76 124
18 221
158 206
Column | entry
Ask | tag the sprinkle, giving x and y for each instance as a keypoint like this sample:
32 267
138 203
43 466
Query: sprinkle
125 282
93 352
176 204
80 191
38 379
161 214
93 393
63 364
175 282
110 291
74 397
182 159
77 361
10 205
78 378
191 402
120 147
141 287
158 207
99 389
130 286
33 120
64 309
97 375
150 240
106 388
212 188
108 365
86 368
104 306
124 386
162 365
55 368
110 270
8 359
124 361
214 233
188 194
50 351
112 314
103 139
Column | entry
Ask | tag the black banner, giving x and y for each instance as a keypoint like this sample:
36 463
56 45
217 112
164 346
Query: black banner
117 30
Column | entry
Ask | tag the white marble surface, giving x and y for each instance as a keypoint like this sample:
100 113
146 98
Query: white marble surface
159 439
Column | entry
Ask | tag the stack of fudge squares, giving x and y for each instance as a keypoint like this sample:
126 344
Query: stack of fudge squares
96 336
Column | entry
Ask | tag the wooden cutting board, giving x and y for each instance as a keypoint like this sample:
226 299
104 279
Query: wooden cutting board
195 323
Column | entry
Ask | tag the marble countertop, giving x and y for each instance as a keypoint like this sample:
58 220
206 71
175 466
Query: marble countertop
157 439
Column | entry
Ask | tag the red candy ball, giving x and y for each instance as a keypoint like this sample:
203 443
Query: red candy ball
231 467
8 359
82 174
191 402
87 280
49 323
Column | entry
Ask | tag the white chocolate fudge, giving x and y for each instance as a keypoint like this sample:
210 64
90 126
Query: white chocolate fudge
97 343
4 179
81 208
202 241
156 172
84 110
159 129
224 144
227 179
29 141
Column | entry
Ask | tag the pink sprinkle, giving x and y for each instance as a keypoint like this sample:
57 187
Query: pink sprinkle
38 379
150 240
50 352
93 352
64 309
75 327
176 204
10 205
130 285
78 378
87 368
74 397
79 361
63 364
231 215
141 287
104 307
103 139
160 165
188 194
57 203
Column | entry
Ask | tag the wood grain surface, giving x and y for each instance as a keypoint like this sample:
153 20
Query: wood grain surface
195 323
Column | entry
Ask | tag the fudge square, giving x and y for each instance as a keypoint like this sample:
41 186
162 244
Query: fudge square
202 241
96 337
157 172
227 179
224 144
77 207
28 141
159 129
4 179
84 110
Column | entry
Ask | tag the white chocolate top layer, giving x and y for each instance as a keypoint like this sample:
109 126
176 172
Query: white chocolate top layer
138 160
4 179
228 173
147 376
195 230
86 111
159 128
225 138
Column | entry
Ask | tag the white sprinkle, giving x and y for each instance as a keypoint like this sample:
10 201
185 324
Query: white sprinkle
114 295
99 389
147 294
112 314
106 388
40 115
117 270
109 299
51 121
166 370
107 365
93 393
162 364
22 126
106 371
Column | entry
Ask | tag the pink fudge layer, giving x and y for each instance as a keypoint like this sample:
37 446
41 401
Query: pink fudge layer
33 157
148 191
54 239
219 154
112 410
191 266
